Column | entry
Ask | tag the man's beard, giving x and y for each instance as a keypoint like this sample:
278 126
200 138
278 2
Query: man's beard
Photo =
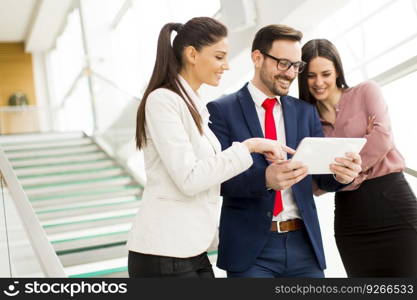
270 84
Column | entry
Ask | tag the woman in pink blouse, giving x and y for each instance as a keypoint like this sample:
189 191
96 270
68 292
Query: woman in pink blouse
375 216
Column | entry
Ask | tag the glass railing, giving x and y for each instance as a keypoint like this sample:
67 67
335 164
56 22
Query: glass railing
33 118
114 121
25 250
23 119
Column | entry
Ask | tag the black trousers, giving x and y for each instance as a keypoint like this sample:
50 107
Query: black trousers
146 265
376 228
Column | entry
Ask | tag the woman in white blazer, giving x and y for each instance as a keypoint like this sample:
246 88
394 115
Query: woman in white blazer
177 221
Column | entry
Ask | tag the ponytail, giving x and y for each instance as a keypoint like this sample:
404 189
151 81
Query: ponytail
197 32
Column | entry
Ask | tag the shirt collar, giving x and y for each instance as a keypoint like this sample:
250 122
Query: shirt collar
258 96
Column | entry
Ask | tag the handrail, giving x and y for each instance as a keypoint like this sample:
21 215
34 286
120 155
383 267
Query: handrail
48 260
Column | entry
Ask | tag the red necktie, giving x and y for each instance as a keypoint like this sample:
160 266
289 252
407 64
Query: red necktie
271 133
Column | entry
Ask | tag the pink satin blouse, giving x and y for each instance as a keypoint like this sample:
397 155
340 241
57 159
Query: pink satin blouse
379 155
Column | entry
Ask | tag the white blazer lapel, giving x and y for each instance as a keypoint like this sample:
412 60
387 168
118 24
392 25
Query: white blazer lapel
204 113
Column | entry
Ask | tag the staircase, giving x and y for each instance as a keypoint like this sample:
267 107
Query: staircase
84 199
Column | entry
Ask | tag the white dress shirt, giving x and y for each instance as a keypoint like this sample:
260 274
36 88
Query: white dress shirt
290 209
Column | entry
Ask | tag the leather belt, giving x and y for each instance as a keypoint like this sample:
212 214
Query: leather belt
287 226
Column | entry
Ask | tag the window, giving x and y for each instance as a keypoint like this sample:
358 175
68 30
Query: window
401 97
135 39
372 36
65 64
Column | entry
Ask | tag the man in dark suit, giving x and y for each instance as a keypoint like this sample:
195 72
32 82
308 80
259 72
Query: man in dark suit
268 224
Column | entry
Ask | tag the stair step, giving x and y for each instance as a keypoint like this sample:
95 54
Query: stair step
58 160
63 207
40 170
78 187
63 238
88 221
62 156
55 177
76 184
87 207
39 138
88 218
89 239
92 254
83 199
63 144
109 268
115 273
39 202
50 151
25 146
98 269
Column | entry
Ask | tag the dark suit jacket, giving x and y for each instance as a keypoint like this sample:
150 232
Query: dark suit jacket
247 204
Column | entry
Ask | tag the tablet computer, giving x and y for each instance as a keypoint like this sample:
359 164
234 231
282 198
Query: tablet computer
318 153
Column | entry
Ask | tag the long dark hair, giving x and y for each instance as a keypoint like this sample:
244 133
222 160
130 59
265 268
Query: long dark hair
197 32
323 48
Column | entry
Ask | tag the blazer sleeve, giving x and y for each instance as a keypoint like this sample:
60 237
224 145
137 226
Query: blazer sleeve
172 142
322 182
250 183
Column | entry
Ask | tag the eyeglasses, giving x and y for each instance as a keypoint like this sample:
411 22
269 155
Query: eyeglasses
284 64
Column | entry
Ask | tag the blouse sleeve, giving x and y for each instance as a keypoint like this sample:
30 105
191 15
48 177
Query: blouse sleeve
379 140
171 139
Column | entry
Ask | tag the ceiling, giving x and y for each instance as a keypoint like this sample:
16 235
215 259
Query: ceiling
15 17
37 23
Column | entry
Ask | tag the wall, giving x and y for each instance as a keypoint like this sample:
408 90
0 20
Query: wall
16 74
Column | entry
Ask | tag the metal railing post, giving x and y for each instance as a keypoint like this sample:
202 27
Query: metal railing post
88 68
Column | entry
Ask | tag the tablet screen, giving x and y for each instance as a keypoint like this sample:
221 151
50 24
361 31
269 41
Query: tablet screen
318 153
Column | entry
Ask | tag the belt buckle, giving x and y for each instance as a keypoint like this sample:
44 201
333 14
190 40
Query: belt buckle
279 228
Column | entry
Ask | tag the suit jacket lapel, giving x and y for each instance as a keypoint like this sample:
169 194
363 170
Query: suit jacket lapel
251 117
290 121
249 112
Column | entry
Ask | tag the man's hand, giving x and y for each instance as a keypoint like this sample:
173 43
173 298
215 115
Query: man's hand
282 175
347 168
